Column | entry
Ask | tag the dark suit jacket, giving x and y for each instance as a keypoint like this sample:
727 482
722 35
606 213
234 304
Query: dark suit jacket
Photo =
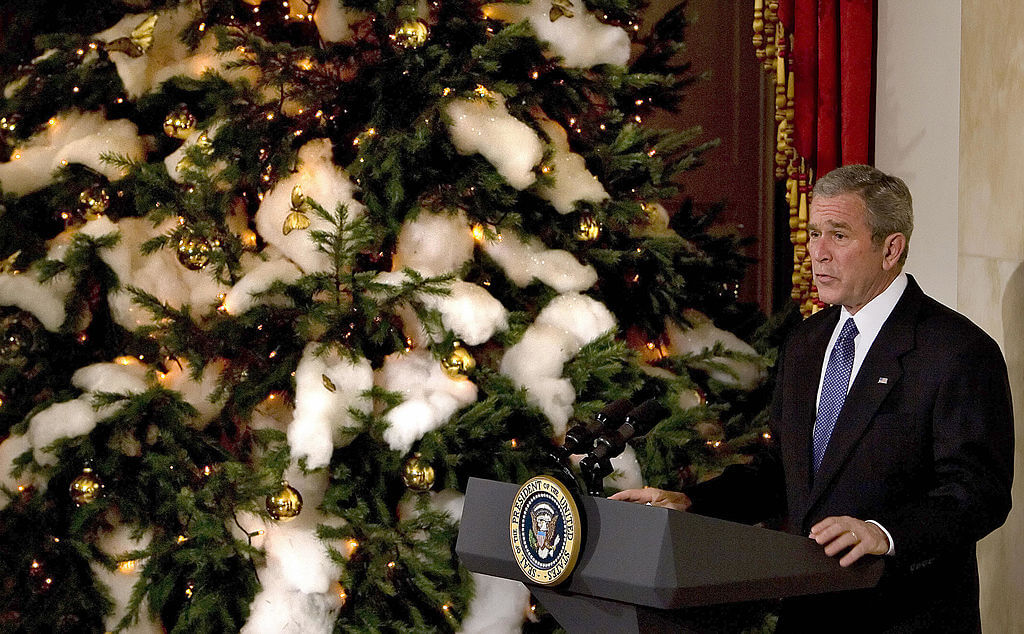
923 445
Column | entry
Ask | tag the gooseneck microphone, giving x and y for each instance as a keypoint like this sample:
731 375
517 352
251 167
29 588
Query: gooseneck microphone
638 421
580 437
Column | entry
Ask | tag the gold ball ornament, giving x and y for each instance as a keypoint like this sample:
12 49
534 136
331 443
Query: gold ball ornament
459 363
417 473
411 34
86 488
588 229
286 504
194 252
94 202
179 123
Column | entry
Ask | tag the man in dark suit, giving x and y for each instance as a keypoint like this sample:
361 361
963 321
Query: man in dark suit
892 428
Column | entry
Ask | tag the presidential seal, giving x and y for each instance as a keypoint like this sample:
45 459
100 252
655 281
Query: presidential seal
545 530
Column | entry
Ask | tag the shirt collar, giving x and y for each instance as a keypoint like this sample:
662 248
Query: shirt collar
871 316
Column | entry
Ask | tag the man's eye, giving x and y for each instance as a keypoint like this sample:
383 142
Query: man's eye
839 236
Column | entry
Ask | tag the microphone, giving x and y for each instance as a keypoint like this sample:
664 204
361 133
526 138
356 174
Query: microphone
580 437
597 464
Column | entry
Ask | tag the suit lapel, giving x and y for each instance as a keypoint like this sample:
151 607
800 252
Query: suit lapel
808 355
875 379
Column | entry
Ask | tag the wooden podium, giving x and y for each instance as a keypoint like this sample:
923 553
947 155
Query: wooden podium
650 569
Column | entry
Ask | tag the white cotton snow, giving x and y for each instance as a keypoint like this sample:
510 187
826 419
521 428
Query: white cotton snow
572 180
537 360
581 41
437 244
168 56
324 182
301 558
299 592
499 606
335 21
585 318
159 273
472 313
14 87
469 311
280 609
12 447
703 336
60 420
326 388
120 378
78 416
74 137
431 396
626 472
117 542
45 300
176 164
524 262
199 393
245 294
485 126
434 243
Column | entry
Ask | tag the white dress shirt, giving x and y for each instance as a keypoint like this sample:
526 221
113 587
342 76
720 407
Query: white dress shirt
869 320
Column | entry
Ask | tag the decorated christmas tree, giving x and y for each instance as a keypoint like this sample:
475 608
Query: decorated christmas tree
278 277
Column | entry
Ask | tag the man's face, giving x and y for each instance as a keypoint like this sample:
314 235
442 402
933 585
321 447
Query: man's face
848 268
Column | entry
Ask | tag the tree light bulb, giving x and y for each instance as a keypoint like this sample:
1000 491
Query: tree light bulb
351 546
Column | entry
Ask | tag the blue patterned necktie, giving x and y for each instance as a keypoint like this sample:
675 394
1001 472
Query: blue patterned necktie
834 388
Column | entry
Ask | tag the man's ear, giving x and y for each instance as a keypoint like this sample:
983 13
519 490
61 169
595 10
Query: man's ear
892 250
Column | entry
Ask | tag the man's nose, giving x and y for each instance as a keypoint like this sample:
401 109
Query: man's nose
818 252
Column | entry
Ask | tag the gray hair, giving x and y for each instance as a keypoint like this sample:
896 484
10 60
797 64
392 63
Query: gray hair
887 199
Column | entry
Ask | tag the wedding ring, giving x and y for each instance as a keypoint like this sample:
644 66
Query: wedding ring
856 540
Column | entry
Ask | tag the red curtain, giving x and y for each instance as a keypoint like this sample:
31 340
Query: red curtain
833 61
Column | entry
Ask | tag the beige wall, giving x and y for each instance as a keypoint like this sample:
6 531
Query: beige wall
917 116
991 249
950 114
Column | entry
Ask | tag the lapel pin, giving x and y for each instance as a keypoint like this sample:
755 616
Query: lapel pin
883 380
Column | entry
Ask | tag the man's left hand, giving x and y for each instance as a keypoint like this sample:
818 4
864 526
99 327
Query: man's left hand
861 538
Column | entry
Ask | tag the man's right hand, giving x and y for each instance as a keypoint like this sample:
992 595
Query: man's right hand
655 497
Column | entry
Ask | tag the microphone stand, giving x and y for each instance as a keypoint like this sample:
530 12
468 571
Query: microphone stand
597 464
580 438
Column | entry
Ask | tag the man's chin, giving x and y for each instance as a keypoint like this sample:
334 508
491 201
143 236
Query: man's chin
827 297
